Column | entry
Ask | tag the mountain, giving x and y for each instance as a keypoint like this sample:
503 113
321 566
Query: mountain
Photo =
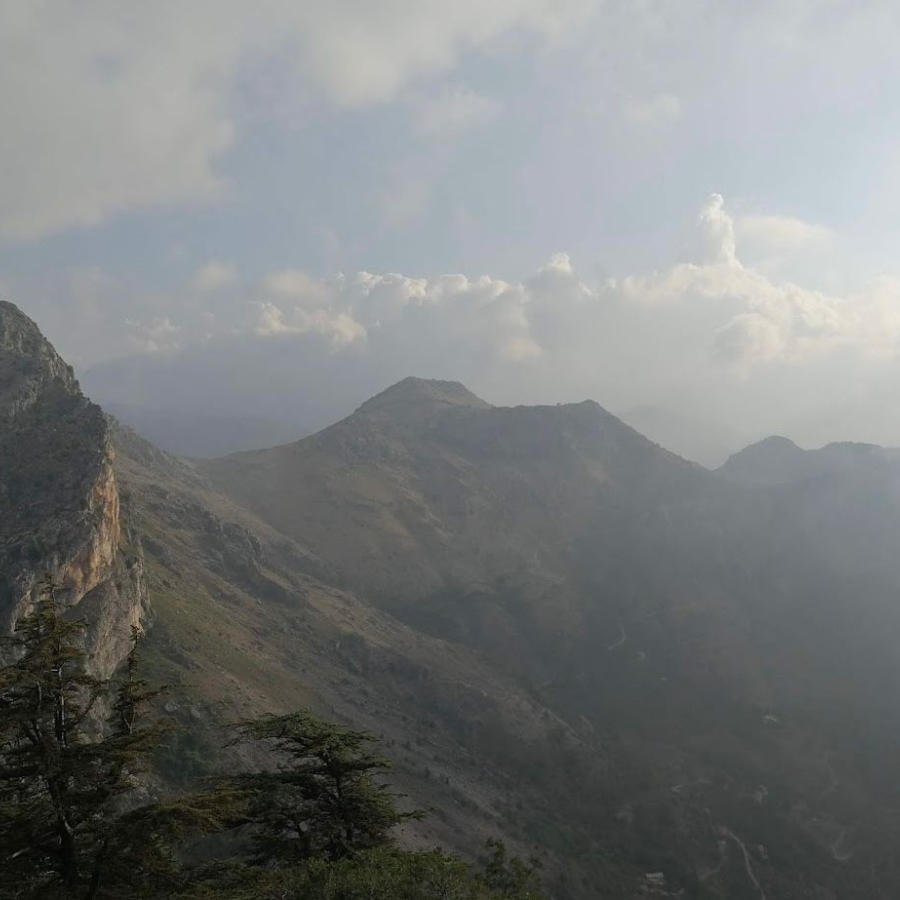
248 620
62 510
569 636
686 626
427 488
843 499
777 460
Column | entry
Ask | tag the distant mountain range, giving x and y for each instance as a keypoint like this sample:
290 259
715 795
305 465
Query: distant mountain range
778 460
609 655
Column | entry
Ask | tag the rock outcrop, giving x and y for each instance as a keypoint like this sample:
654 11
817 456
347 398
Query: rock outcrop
60 508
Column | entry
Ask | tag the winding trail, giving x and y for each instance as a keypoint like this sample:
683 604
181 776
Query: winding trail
722 858
620 639
840 857
535 562
833 784
747 864
676 788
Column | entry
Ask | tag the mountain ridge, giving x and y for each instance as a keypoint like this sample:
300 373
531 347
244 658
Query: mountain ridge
64 515
571 552
778 460
568 635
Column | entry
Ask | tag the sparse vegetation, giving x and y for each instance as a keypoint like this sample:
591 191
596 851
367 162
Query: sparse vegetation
76 822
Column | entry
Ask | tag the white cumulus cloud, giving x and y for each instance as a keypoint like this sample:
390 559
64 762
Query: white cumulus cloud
114 107
711 332
712 310
781 234
158 335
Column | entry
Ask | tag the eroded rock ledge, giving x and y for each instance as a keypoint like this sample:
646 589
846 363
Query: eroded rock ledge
61 512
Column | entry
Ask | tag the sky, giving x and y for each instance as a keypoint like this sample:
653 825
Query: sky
280 208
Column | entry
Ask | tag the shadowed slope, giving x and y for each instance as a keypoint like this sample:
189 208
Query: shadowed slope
59 497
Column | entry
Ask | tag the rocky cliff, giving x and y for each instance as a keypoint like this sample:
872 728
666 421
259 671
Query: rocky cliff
62 513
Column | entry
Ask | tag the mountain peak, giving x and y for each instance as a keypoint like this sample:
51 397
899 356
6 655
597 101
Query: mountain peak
420 391
62 512
775 442
774 446
28 362
18 334
773 460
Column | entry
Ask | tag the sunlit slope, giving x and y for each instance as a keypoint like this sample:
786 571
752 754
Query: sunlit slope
245 620
690 625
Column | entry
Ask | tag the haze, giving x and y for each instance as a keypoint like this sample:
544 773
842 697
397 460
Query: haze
263 215
448 450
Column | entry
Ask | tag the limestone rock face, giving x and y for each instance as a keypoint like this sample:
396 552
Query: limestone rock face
60 508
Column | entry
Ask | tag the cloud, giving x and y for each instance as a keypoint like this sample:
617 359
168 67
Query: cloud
709 332
749 338
710 310
754 318
714 239
105 112
297 285
655 112
453 112
340 328
214 276
316 308
157 336
363 53
108 109
777 235
747 318
406 201
484 316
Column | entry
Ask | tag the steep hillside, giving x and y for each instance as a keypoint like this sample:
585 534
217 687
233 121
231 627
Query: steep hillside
688 624
427 485
528 533
842 501
61 506
244 621
570 637
775 460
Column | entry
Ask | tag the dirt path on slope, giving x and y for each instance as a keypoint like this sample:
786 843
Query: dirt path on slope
835 847
747 864
620 639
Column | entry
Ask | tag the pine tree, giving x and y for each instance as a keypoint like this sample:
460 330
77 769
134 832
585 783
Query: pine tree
508 876
69 825
48 768
321 827
325 800
127 849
